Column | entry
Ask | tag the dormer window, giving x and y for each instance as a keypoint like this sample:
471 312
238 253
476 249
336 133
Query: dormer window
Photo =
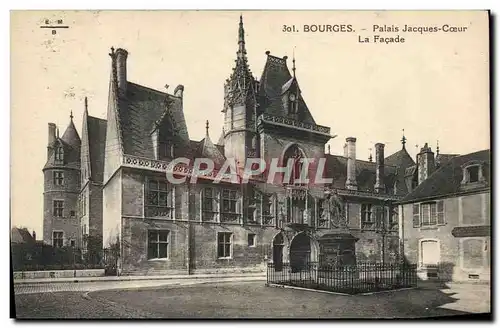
59 155
473 173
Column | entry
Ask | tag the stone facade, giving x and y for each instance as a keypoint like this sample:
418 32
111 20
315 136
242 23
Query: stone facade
445 222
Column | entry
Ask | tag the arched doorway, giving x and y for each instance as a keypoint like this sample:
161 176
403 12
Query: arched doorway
278 245
300 252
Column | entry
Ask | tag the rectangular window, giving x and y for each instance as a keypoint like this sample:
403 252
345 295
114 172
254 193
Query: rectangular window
431 213
229 211
209 204
158 244
416 215
72 243
59 154
224 244
426 214
367 221
229 201
57 238
159 199
366 213
251 239
57 208
58 177
473 172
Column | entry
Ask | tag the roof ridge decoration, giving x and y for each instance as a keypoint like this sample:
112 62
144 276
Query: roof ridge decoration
210 150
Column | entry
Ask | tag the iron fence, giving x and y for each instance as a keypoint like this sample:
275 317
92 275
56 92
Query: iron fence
350 279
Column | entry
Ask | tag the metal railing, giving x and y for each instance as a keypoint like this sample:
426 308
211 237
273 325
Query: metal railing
350 279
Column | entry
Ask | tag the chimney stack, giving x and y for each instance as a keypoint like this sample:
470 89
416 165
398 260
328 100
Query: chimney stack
380 175
121 69
426 164
350 152
52 134
179 90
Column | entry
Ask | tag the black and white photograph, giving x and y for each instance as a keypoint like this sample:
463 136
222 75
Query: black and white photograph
240 164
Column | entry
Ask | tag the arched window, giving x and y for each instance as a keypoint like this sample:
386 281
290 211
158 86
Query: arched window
295 154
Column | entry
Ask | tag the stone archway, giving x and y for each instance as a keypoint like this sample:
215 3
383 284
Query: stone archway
278 251
303 251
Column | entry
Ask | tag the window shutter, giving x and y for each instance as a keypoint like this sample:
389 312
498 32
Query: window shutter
416 215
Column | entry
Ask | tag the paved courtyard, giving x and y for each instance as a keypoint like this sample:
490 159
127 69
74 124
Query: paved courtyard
153 299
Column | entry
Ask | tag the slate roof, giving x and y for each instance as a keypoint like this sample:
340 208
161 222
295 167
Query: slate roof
274 78
441 159
71 155
71 136
402 161
21 236
446 180
97 143
336 168
140 111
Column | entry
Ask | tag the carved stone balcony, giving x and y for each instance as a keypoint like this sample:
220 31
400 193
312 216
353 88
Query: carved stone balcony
291 123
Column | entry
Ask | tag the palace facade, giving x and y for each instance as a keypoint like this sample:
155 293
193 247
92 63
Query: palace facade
116 195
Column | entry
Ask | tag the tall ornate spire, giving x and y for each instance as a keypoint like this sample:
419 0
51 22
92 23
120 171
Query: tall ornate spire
241 79
437 147
86 104
206 128
71 115
293 62
241 40
403 140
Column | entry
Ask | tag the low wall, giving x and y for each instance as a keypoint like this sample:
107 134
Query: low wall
58 274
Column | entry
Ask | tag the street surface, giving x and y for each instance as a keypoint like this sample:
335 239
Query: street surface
243 299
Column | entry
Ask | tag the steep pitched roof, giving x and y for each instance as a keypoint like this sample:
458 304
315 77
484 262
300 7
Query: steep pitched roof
442 159
336 168
97 143
141 110
402 161
21 236
446 180
71 155
399 157
274 79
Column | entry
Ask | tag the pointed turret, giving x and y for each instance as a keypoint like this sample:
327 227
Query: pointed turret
210 150
71 136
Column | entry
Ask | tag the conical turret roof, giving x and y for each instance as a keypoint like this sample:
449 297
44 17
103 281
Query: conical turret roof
71 136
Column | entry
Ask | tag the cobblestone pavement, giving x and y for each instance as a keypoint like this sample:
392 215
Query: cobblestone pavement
20 289
245 300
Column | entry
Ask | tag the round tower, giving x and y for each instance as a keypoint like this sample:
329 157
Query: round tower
61 187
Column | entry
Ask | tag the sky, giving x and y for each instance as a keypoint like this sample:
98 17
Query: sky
435 86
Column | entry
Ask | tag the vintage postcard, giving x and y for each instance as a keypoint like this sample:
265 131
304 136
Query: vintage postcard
250 164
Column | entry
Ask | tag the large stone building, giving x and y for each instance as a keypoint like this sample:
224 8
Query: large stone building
162 228
446 218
